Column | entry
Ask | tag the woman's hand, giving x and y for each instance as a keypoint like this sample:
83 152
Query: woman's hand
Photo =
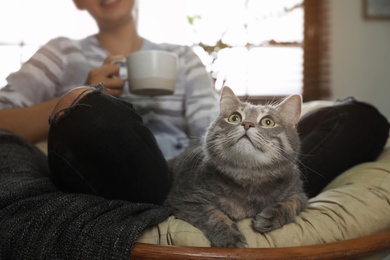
108 74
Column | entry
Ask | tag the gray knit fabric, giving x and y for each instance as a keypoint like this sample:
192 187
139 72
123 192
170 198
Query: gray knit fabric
38 221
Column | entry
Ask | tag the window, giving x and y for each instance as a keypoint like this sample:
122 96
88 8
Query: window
254 46
31 25
316 69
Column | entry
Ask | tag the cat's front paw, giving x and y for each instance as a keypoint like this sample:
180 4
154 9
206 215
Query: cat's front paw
269 219
234 238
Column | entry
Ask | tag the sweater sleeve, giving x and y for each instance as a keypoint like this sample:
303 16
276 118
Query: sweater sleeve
38 221
54 69
36 79
201 99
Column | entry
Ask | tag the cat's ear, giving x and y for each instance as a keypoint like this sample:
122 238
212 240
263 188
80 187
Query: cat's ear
228 100
290 109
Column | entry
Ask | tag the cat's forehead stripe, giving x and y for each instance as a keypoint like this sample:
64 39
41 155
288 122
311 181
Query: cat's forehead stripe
253 112
265 110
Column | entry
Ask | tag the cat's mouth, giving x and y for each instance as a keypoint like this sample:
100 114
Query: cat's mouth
246 137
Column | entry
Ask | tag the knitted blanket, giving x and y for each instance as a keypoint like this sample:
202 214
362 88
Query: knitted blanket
38 221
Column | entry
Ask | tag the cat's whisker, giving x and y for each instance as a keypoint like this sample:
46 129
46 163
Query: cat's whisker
311 169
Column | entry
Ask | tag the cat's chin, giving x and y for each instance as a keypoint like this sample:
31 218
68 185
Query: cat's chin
246 145
245 150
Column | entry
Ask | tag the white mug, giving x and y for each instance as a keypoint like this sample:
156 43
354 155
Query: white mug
151 72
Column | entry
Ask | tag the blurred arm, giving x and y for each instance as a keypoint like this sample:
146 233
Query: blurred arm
30 122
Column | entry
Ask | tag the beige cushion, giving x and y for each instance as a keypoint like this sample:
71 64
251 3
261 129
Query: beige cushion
42 145
353 205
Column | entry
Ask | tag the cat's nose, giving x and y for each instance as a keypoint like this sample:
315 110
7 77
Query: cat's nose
247 125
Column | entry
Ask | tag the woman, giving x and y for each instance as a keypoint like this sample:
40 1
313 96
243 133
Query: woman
63 64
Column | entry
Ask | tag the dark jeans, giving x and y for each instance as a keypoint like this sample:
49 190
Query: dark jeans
100 146
335 138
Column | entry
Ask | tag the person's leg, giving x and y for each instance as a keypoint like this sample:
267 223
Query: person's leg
98 144
19 157
338 137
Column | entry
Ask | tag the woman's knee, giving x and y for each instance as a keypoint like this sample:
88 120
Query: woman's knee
69 99
367 119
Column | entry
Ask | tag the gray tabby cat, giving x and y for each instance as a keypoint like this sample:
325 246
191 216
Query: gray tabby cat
247 168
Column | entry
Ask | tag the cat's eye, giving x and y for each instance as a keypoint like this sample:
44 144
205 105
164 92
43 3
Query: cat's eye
267 122
234 118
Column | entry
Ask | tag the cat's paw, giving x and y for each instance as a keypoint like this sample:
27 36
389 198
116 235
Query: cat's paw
269 219
234 238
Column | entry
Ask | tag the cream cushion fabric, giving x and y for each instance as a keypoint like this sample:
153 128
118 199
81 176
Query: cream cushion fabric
355 204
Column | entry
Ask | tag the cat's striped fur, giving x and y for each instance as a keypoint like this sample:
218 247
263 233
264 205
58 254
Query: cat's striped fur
247 168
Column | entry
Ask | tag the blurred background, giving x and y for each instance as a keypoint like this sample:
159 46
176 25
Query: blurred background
323 49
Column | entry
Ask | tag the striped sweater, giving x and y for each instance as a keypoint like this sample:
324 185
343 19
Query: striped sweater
63 64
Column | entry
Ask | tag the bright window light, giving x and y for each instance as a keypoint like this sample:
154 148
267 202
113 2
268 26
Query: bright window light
264 56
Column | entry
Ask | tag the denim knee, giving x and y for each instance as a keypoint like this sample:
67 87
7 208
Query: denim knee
338 137
99 145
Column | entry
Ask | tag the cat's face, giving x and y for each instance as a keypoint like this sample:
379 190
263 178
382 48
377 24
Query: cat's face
256 135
